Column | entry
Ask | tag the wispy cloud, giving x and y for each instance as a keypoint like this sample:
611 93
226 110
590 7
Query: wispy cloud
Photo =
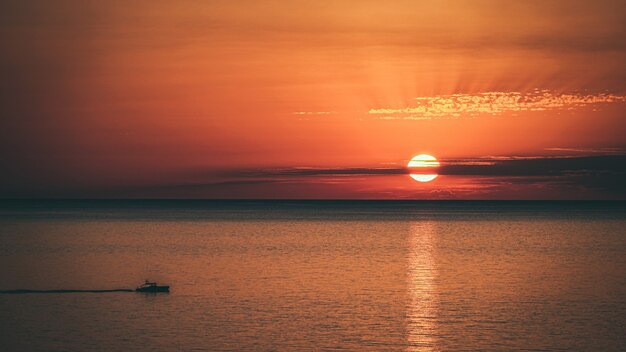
606 151
313 171
536 166
491 103
308 115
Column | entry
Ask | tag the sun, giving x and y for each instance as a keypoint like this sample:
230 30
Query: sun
423 160
421 167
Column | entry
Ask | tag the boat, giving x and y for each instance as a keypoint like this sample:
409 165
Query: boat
152 287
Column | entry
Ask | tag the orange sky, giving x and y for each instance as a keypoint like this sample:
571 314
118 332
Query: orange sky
161 98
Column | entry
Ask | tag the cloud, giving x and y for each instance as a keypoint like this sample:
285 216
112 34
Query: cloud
588 150
310 115
492 103
536 166
311 171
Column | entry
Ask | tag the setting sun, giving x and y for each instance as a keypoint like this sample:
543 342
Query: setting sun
423 161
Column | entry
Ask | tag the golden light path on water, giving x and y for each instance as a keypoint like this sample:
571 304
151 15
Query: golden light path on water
423 161
422 289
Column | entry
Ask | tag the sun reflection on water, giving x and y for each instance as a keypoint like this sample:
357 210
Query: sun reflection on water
423 297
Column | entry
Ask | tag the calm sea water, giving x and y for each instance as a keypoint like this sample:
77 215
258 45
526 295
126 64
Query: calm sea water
313 276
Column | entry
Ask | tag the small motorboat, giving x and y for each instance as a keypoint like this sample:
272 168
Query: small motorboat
152 287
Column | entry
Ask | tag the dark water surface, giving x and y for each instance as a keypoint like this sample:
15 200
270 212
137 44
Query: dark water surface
317 275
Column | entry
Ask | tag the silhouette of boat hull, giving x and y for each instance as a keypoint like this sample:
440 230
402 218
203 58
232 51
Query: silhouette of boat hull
152 287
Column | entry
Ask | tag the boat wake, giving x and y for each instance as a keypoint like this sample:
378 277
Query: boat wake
146 287
17 292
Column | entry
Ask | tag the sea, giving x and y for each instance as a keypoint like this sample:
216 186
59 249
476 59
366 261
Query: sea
313 275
